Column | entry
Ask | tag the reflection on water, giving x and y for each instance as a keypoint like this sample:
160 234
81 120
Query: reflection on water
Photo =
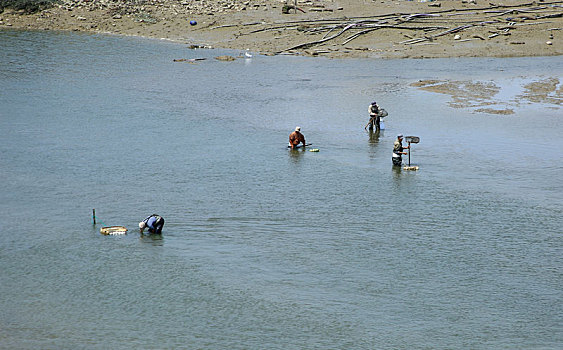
397 173
296 154
374 136
152 238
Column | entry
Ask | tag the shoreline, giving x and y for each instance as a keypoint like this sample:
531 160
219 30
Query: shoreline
333 29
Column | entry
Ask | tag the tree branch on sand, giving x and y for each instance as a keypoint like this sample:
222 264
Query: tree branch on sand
449 21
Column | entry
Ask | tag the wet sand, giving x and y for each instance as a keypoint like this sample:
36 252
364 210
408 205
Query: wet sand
480 96
331 28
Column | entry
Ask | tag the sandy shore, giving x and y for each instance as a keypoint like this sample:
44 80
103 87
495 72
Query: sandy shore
332 28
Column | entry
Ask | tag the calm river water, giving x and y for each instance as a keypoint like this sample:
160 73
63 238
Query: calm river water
265 248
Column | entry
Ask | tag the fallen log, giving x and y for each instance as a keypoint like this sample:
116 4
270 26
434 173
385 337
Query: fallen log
309 44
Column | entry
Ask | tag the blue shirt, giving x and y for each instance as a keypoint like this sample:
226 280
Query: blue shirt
150 222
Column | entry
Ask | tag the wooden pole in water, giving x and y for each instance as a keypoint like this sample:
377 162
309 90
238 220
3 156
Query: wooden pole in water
409 154
94 215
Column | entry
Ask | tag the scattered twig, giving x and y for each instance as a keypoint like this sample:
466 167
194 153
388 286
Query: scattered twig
413 41
420 44
453 30
555 15
271 28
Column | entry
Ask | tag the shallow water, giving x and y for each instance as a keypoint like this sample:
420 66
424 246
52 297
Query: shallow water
264 248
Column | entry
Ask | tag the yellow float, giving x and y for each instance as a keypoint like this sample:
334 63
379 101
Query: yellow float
113 230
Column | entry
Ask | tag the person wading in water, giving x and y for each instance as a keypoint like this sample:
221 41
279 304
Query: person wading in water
375 119
154 223
398 150
296 137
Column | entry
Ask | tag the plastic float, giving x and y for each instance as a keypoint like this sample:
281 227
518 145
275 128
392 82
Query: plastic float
113 230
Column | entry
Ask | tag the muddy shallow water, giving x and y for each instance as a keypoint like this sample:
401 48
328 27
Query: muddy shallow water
545 90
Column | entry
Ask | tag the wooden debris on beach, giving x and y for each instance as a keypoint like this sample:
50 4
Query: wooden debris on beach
225 58
188 59
195 47
431 25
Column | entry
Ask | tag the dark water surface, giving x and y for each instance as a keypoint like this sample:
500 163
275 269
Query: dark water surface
265 248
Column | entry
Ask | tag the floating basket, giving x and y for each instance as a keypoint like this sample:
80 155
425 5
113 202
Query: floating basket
113 230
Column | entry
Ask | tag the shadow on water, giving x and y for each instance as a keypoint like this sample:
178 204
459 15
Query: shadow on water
295 154
373 141
400 177
397 172
152 238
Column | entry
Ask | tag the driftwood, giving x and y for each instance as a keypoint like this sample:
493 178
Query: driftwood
333 28
225 58
352 37
555 15
272 28
363 24
309 44
188 59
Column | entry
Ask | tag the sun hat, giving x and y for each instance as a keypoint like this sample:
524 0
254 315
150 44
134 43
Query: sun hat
297 128
400 136
142 225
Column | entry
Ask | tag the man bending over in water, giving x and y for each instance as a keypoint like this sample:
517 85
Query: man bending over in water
296 137
153 222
